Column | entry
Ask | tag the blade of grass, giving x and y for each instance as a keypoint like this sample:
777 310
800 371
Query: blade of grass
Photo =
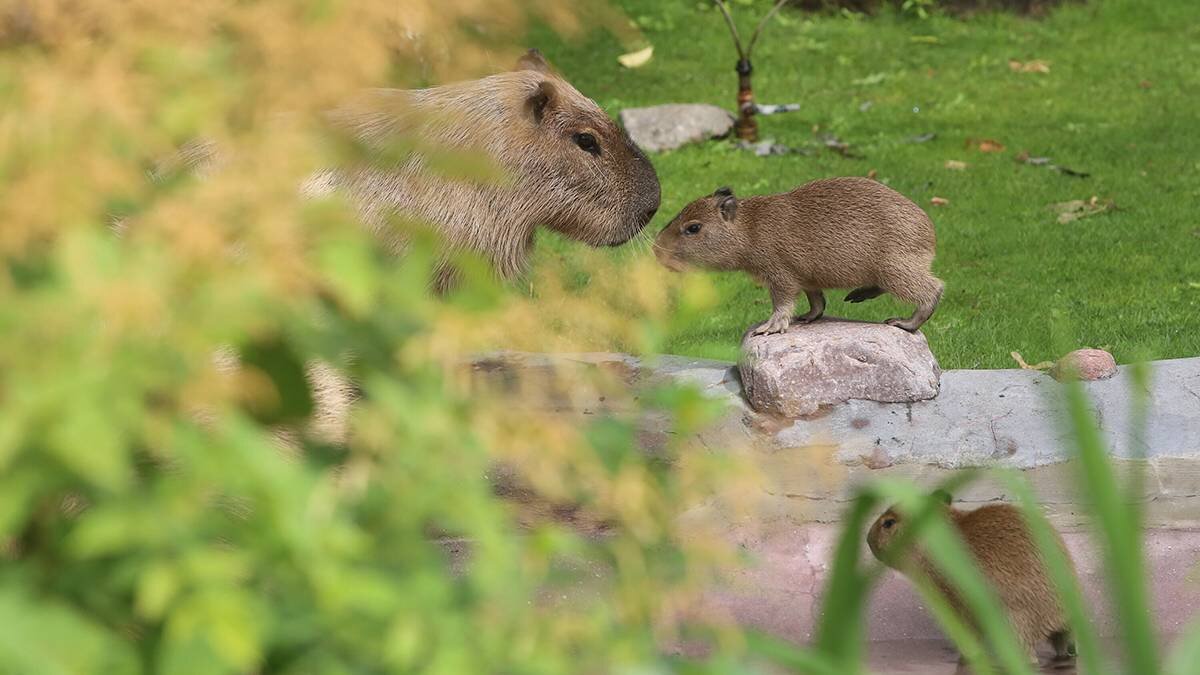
839 635
1117 527
788 655
1061 572
952 559
951 623
968 643
1185 657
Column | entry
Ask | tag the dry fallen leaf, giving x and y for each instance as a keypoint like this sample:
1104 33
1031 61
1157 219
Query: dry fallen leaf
985 144
1145 84
939 201
839 146
1079 208
636 59
872 173
1044 365
955 165
1034 66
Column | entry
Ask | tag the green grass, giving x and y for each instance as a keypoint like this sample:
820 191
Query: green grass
1127 280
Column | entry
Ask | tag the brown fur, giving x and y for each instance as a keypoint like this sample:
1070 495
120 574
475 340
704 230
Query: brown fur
832 233
529 122
1007 556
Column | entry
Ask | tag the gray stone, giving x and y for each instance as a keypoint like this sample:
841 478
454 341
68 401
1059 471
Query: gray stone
665 127
794 374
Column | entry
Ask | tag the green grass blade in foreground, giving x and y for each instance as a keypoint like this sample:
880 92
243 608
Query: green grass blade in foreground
1061 573
1117 529
1185 657
839 635
969 644
790 656
955 628
954 561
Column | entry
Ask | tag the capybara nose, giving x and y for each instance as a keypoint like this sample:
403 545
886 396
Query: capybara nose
650 213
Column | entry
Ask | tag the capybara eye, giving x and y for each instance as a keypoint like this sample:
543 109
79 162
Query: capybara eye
692 228
888 523
587 142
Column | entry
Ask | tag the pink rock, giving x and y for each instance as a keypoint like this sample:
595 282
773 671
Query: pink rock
831 361
1086 364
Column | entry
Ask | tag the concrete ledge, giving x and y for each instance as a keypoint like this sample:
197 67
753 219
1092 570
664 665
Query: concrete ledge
1013 418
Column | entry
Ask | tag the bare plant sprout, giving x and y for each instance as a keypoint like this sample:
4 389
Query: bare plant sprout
746 126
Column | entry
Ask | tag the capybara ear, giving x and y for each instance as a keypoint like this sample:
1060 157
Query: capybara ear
943 497
727 205
725 191
541 100
534 60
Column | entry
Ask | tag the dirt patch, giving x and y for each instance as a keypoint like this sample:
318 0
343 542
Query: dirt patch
956 7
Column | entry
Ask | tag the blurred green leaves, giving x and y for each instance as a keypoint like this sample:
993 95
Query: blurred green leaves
286 398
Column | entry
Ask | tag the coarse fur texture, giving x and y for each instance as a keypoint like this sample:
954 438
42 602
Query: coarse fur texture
1009 559
566 165
831 233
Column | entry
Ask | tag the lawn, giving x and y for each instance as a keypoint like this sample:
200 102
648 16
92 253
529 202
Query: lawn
1120 102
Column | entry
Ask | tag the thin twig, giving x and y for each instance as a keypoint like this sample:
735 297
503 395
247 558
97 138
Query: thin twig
737 41
758 29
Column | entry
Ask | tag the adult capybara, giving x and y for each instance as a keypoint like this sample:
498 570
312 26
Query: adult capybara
569 166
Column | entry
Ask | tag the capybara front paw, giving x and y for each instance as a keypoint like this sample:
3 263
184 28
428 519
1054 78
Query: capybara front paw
773 325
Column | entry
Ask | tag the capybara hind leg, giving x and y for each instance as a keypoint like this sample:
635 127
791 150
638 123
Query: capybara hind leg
1064 646
864 293
816 306
927 293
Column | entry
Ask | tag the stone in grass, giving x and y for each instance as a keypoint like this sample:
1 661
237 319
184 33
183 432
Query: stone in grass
831 361
1086 365
665 127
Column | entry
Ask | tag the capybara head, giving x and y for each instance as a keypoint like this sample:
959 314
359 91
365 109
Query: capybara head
705 233
888 526
566 165
885 529
593 183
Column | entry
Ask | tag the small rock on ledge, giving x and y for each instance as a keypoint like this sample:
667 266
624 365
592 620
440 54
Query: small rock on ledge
831 361
665 127
1086 364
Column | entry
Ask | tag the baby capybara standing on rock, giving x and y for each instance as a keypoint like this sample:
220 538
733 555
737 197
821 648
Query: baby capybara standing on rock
832 233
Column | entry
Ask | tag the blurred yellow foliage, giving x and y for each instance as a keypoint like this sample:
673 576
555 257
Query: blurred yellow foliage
211 528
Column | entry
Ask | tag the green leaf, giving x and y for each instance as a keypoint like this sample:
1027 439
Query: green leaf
1118 529
1062 571
85 440
42 636
157 587
276 359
